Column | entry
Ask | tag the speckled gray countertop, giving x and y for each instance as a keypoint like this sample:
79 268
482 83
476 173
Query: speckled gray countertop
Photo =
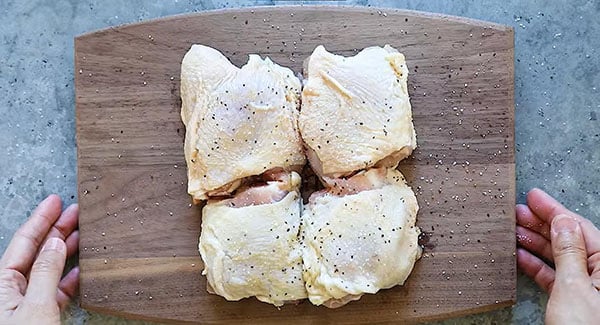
557 88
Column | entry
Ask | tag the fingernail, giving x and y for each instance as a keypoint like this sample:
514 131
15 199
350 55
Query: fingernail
53 244
72 207
564 224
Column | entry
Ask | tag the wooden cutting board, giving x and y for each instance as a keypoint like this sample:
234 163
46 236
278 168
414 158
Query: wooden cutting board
139 232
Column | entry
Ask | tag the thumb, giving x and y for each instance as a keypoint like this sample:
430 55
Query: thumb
47 271
568 249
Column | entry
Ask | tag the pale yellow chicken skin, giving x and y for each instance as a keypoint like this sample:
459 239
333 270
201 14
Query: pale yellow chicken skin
239 122
358 237
249 244
355 111
245 140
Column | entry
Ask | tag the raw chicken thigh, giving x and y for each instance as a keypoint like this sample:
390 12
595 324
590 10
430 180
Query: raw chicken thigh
239 122
249 243
355 111
359 236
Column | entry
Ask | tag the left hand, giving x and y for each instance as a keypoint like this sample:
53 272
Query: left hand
31 289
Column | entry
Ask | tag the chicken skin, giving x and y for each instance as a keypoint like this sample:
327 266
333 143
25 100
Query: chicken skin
240 122
359 236
355 111
249 243
246 141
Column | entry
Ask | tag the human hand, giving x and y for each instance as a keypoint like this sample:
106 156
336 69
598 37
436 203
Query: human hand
549 234
31 289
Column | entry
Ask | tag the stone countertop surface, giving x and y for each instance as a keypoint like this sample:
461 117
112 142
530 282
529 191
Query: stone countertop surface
557 104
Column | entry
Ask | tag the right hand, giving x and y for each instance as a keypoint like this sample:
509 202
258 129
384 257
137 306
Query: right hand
548 233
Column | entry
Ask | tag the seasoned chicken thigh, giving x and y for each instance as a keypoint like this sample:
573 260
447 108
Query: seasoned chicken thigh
239 122
249 243
359 236
355 111
245 142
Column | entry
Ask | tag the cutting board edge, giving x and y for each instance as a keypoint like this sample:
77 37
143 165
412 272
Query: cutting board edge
130 316
421 319
272 9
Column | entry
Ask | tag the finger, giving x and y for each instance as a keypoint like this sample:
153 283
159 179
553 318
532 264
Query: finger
66 223
535 243
23 247
568 248
536 269
72 243
546 208
46 272
527 219
594 268
67 288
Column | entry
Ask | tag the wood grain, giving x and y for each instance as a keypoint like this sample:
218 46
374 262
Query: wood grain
139 232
